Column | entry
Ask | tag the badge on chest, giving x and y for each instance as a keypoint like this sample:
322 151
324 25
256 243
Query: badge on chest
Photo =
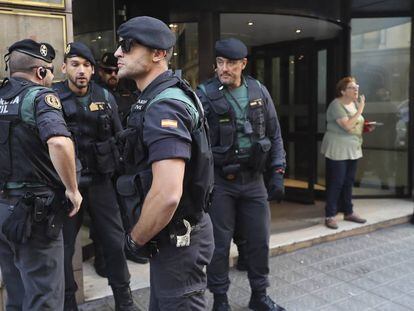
256 103
97 106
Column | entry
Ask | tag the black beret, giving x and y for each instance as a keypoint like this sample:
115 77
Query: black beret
81 50
231 48
108 60
148 31
40 50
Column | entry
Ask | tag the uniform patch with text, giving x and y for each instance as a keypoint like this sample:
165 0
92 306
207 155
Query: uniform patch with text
169 123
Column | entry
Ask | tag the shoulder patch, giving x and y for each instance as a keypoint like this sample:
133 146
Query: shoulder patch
53 101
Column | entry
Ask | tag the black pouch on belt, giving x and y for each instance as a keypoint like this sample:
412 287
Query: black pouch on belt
18 226
260 151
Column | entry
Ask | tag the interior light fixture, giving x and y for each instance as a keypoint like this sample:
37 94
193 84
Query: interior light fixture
298 31
250 23
175 53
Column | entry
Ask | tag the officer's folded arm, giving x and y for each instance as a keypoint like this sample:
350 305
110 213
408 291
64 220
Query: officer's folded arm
161 201
62 154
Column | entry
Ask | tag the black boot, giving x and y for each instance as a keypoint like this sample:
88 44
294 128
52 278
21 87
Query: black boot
70 303
123 299
221 303
412 219
259 301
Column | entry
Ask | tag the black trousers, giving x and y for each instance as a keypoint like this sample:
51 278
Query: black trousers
243 201
33 271
340 176
177 276
99 199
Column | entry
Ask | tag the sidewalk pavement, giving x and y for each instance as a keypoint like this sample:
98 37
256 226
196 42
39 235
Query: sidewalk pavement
373 271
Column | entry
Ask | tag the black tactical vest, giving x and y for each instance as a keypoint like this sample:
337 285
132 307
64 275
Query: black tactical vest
23 156
91 127
199 172
223 126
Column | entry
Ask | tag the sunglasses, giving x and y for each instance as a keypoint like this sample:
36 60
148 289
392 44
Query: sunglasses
109 71
126 45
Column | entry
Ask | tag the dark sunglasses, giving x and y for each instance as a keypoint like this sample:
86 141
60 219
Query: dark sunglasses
126 45
109 71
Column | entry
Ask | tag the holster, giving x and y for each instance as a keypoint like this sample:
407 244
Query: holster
18 226
59 207
132 190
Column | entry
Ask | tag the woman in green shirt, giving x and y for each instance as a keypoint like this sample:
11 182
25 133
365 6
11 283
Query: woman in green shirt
341 146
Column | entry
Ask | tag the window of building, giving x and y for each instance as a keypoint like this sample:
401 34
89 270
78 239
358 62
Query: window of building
380 61
185 54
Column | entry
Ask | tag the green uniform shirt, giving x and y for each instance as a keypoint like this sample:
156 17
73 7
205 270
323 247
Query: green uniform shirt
241 95
85 100
337 143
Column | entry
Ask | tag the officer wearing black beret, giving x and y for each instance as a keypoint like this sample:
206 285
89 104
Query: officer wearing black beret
246 143
169 169
92 115
37 176
122 89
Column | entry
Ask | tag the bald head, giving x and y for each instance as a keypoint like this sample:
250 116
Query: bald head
20 62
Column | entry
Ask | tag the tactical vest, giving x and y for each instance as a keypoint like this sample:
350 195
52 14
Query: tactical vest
23 156
223 126
199 174
91 127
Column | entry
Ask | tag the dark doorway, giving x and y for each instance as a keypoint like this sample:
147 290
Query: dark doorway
289 71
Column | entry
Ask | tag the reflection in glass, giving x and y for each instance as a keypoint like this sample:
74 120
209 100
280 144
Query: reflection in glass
260 70
275 89
380 62
185 54
39 27
100 42
322 59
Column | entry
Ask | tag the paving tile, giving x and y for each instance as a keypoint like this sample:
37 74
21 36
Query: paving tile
403 285
371 299
331 294
405 300
390 306
386 292
365 283
318 282
306 302
352 304
343 275
286 293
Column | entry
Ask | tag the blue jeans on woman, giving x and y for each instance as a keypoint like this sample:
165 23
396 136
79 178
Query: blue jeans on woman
340 176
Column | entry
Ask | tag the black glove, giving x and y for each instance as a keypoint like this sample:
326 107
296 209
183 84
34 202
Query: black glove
139 252
18 226
275 187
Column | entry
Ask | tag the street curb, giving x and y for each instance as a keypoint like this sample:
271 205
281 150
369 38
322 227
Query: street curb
284 249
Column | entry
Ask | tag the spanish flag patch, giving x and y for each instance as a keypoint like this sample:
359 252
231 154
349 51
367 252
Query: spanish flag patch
169 123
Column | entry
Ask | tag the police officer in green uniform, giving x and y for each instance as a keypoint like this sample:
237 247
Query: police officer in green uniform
169 169
91 114
37 164
246 142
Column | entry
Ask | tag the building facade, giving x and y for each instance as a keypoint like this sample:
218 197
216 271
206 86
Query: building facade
298 49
